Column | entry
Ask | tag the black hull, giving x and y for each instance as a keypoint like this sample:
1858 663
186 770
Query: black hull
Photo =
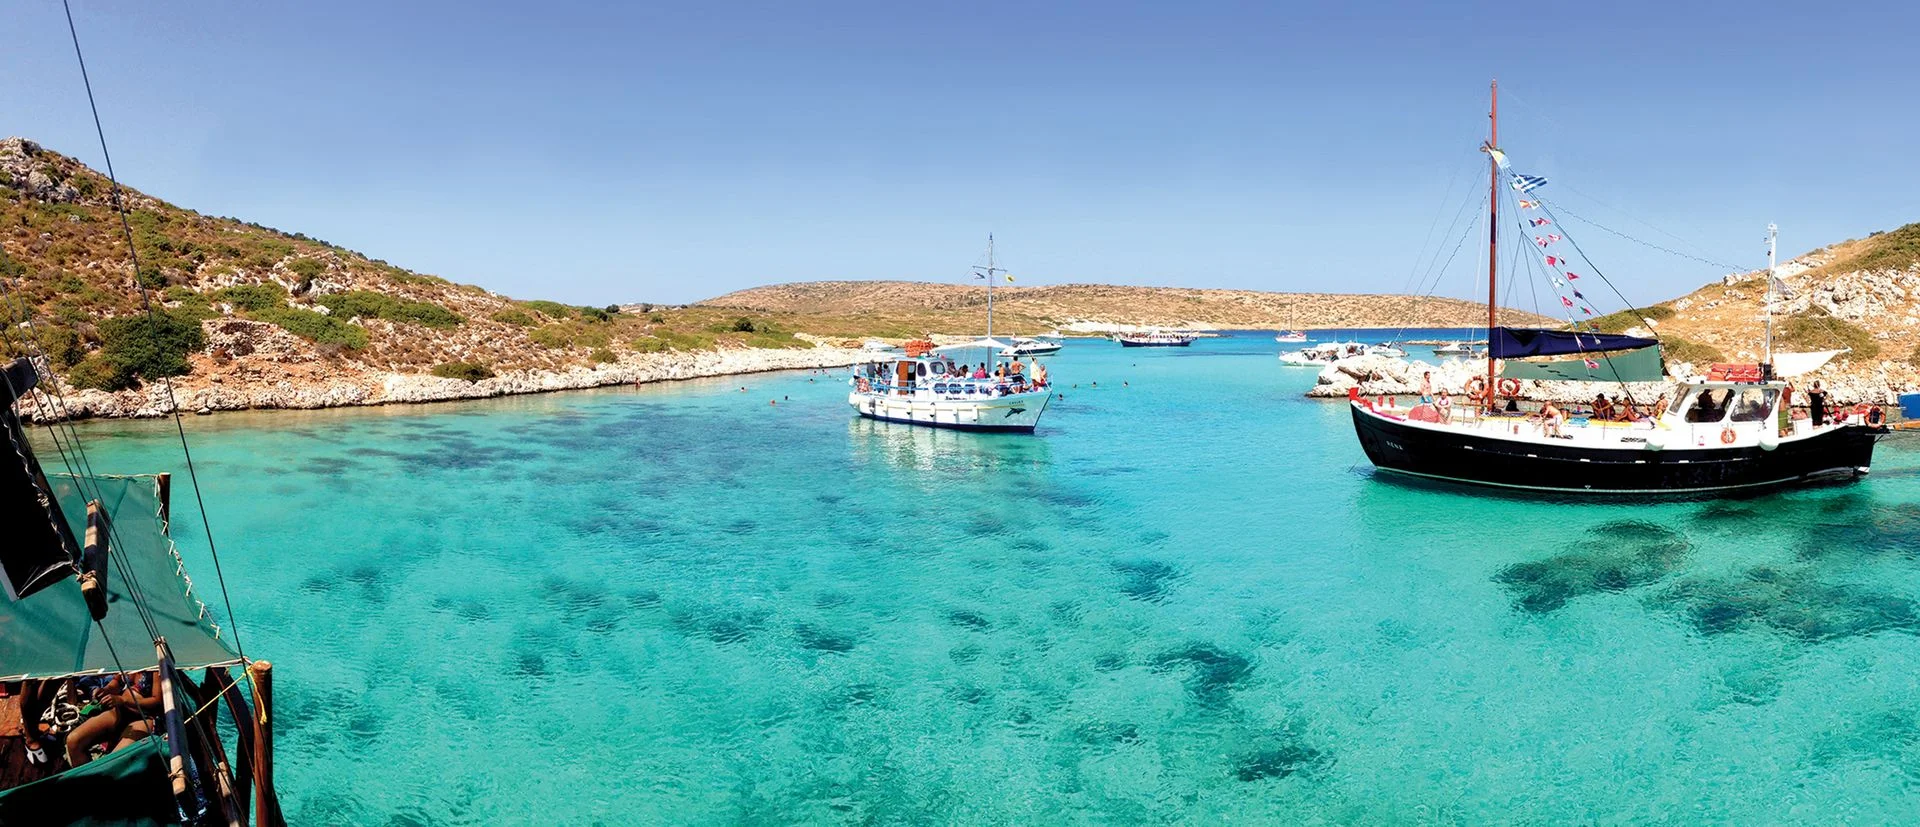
1840 455
1125 343
952 426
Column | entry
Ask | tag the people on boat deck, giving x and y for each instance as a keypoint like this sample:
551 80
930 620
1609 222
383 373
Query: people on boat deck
1016 367
1443 404
981 371
1039 374
1817 403
1602 409
1659 407
1426 387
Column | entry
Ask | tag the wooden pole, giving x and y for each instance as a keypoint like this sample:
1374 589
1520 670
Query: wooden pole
266 812
164 490
1493 231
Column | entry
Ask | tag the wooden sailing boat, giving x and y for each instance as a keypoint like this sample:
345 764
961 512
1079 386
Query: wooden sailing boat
1734 430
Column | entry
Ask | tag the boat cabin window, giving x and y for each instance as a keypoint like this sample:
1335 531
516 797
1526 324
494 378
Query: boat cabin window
1709 405
1753 404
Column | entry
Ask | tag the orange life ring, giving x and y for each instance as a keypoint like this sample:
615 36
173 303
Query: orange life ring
1726 436
1509 387
1875 416
1477 386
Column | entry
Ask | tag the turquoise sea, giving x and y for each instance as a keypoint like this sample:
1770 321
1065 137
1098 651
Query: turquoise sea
1186 599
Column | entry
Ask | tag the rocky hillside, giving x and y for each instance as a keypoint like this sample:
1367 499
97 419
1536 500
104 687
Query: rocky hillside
251 316
1861 294
910 308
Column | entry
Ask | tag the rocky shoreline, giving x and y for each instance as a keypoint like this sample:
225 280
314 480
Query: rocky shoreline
213 391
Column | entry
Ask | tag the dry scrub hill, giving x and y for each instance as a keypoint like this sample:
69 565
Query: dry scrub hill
900 308
255 306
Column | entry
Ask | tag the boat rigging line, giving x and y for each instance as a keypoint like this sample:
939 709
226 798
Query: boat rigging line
146 302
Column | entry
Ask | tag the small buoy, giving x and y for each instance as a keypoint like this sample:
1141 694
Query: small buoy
773 401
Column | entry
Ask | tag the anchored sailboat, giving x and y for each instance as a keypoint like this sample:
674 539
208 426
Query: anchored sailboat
1736 429
934 389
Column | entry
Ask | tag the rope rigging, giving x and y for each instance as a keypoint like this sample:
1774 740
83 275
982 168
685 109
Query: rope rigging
146 302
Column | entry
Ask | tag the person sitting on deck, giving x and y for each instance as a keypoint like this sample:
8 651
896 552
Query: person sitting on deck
1550 419
1602 409
1444 404
126 716
1659 407
981 371
1039 375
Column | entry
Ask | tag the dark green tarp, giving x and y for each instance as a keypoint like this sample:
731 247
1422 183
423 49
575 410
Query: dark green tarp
50 634
1632 366
125 788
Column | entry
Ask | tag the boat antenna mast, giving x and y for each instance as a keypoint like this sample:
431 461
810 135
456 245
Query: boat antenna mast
989 272
1493 227
1772 231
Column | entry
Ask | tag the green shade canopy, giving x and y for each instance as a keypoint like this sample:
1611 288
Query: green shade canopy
126 788
1631 366
50 634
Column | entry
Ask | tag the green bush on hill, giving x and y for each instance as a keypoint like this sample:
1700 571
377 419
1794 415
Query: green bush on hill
139 348
552 310
1893 250
518 318
1624 320
602 356
1816 330
313 326
1676 349
307 269
470 371
253 297
368 304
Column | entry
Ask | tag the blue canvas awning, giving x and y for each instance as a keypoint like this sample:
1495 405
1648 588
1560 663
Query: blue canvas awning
1521 342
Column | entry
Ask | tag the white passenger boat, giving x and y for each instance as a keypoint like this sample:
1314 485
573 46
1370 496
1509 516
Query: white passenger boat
952 387
1290 336
1156 338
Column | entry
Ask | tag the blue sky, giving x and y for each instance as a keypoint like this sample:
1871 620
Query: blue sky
628 152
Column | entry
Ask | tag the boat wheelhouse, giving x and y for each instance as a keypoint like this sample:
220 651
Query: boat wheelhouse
1738 429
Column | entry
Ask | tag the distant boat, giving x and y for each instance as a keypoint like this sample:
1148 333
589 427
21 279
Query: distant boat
1024 346
1322 355
876 346
930 387
1390 350
1290 336
1156 338
1734 430
1452 349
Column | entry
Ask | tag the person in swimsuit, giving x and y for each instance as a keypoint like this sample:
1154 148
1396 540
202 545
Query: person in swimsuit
126 717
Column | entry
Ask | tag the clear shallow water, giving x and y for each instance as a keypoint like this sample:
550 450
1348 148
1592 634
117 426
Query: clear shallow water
1186 598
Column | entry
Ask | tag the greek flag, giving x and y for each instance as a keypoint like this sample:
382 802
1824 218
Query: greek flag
1528 183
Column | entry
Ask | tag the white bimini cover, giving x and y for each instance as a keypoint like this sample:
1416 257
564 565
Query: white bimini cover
977 343
1794 364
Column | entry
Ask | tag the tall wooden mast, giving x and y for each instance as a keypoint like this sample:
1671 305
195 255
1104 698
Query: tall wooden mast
1493 229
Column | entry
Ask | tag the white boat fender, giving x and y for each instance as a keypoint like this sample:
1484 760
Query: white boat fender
1769 439
1656 441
